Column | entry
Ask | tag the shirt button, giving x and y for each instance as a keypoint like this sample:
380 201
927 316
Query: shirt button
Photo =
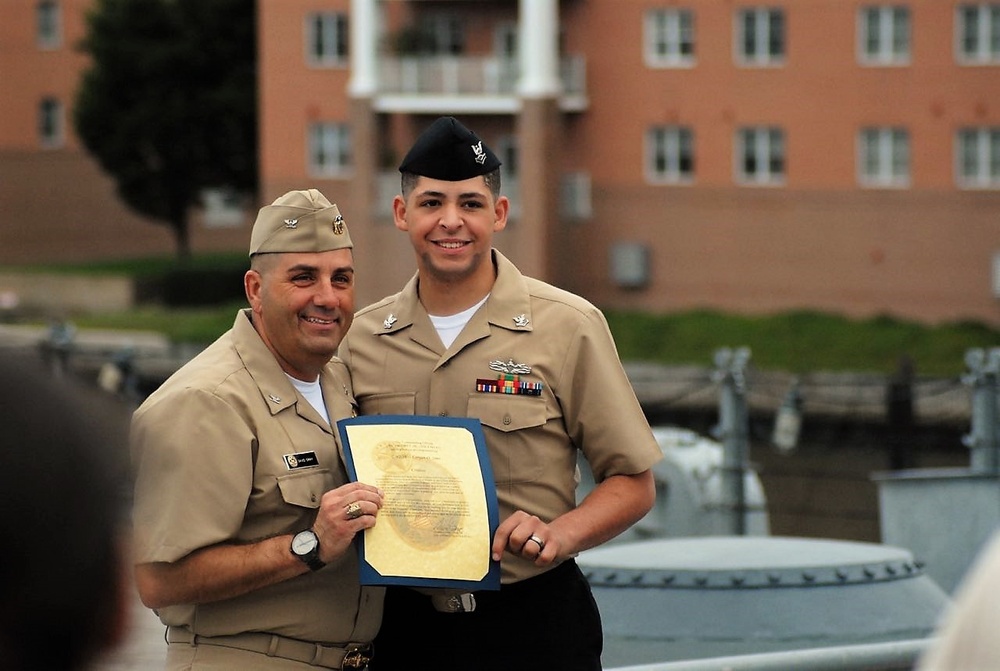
506 419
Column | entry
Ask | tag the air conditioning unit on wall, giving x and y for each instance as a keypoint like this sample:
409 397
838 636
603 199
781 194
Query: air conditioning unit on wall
630 265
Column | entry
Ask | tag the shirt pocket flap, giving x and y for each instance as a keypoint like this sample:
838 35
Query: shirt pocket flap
506 413
402 403
304 489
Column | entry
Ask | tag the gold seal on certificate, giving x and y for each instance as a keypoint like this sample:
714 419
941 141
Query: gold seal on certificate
439 513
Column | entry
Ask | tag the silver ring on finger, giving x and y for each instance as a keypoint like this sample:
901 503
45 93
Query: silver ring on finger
538 541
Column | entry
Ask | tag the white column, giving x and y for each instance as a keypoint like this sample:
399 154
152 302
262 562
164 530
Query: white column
364 45
538 42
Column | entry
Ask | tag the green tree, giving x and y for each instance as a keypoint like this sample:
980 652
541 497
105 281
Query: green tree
169 104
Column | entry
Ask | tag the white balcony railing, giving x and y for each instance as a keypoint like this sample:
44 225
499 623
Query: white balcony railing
457 76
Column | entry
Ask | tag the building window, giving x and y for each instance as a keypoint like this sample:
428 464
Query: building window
669 37
761 36
884 157
884 35
50 123
978 32
49 24
506 151
443 34
978 158
505 40
761 157
326 39
670 155
575 200
329 150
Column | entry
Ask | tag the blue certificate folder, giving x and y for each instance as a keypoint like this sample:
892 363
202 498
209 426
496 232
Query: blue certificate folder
419 423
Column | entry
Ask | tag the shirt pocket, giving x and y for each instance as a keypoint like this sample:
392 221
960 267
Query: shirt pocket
305 489
399 403
513 426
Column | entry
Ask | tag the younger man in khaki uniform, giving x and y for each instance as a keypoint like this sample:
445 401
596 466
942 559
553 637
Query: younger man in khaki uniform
466 331
244 518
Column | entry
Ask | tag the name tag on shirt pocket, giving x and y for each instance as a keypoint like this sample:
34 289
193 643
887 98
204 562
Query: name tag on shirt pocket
305 489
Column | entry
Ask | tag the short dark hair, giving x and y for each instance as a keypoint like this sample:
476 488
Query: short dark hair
63 494
408 181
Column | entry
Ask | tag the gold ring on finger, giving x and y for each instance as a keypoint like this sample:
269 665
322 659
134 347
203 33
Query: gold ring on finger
354 511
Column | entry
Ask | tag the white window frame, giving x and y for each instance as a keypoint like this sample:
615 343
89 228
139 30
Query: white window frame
986 47
762 54
893 39
48 24
51 123
884 156
669 38
977 157
326 39
330 150
670 147
769 145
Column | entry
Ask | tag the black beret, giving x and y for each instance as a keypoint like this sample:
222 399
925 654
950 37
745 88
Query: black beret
449 151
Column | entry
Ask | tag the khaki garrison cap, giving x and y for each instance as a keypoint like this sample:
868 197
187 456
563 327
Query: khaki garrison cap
299 221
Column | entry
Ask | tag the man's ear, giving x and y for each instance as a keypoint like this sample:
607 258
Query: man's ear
500 211
399 213
251 286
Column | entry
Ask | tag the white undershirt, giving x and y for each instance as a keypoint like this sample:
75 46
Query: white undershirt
312 393
449 326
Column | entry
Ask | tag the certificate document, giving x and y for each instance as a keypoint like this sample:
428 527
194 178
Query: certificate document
439 510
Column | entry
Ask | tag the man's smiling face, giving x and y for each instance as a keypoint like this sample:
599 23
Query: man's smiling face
303 304
451 226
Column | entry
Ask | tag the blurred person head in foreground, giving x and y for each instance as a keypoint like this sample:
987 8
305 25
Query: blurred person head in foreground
62 570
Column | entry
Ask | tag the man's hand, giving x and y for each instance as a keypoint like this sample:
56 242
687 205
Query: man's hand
614 505
528 536
343 512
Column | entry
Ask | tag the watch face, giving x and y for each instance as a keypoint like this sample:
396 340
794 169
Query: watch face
304 542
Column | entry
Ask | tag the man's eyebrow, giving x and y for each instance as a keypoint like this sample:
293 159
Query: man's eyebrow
300 267
441 194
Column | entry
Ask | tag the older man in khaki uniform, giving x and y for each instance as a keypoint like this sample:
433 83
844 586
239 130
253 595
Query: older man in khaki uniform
244 518
470 336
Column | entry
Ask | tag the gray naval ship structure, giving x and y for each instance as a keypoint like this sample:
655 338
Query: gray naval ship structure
700 583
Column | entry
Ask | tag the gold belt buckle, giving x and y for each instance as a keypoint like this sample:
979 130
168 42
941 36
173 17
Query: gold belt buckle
357 658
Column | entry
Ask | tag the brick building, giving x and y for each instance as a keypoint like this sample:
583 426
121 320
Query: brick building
838 155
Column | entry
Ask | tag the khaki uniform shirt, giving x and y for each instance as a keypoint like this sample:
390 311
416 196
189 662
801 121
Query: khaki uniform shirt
399 366
227 451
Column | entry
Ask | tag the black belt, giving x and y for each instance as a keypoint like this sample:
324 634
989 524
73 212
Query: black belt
352 656
469 602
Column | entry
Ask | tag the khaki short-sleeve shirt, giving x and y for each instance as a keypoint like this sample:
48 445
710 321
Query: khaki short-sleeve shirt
226 451
563 349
